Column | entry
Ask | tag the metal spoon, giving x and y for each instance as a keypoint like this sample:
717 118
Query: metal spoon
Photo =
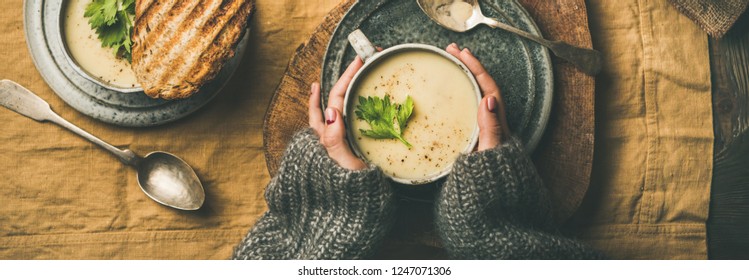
164 177
464 15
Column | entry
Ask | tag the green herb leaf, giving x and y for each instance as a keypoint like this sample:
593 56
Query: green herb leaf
404 112
129 6
386 120
111 19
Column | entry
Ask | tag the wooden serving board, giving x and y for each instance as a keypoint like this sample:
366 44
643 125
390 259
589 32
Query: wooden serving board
564 157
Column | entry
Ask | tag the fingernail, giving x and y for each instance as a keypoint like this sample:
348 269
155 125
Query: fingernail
468 50
454 45
491 103
330 116
313 87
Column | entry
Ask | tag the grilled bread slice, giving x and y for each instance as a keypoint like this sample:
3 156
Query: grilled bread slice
179 45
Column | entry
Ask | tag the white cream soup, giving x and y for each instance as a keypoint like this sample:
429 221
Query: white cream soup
85 47
443 120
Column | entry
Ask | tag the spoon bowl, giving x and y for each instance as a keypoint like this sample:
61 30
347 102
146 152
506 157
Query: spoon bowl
455 15
169 180
464 15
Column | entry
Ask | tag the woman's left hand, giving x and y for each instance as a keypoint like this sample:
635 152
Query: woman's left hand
492 118
331 129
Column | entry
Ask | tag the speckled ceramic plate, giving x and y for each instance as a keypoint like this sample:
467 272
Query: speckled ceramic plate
43 36
522 69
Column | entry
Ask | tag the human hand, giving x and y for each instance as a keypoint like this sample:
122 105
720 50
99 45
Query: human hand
331 128
492 118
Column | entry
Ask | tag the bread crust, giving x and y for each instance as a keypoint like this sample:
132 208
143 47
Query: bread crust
179 45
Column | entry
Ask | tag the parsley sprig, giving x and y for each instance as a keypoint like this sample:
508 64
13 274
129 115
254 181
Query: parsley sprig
387 120
111 19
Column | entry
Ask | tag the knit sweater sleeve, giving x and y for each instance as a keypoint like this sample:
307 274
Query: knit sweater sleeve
494 206
319 210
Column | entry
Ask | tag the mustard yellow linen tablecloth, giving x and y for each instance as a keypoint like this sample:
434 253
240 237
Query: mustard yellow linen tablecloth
650 190
63 198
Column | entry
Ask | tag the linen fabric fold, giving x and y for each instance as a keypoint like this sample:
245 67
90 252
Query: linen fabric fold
650 190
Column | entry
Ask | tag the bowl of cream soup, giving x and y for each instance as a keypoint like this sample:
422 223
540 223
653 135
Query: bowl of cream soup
86 55
432 99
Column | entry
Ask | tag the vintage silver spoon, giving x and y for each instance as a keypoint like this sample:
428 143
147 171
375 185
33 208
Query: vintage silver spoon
164 177
464 15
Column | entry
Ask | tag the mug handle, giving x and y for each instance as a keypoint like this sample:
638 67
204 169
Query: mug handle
362 46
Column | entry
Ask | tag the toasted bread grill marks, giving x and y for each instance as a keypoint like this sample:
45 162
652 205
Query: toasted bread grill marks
142 5
228 36
200 44
156 29
193 35
180 45
172 39
149 18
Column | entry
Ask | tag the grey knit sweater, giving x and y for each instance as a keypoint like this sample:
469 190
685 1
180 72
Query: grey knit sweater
493 205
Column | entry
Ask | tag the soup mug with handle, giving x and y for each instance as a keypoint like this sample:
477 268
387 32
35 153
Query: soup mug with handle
371 57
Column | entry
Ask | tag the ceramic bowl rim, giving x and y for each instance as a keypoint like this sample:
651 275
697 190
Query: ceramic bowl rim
74 64
375 59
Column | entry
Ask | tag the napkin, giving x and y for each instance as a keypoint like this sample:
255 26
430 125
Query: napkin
649 196
714 16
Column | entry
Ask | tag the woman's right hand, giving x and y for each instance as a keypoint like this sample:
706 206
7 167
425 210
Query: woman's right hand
331 128
493 128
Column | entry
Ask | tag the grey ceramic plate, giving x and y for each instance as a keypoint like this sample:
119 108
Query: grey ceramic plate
523 70
41 23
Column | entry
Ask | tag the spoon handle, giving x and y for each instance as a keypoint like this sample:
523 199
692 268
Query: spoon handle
587 60
22 101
